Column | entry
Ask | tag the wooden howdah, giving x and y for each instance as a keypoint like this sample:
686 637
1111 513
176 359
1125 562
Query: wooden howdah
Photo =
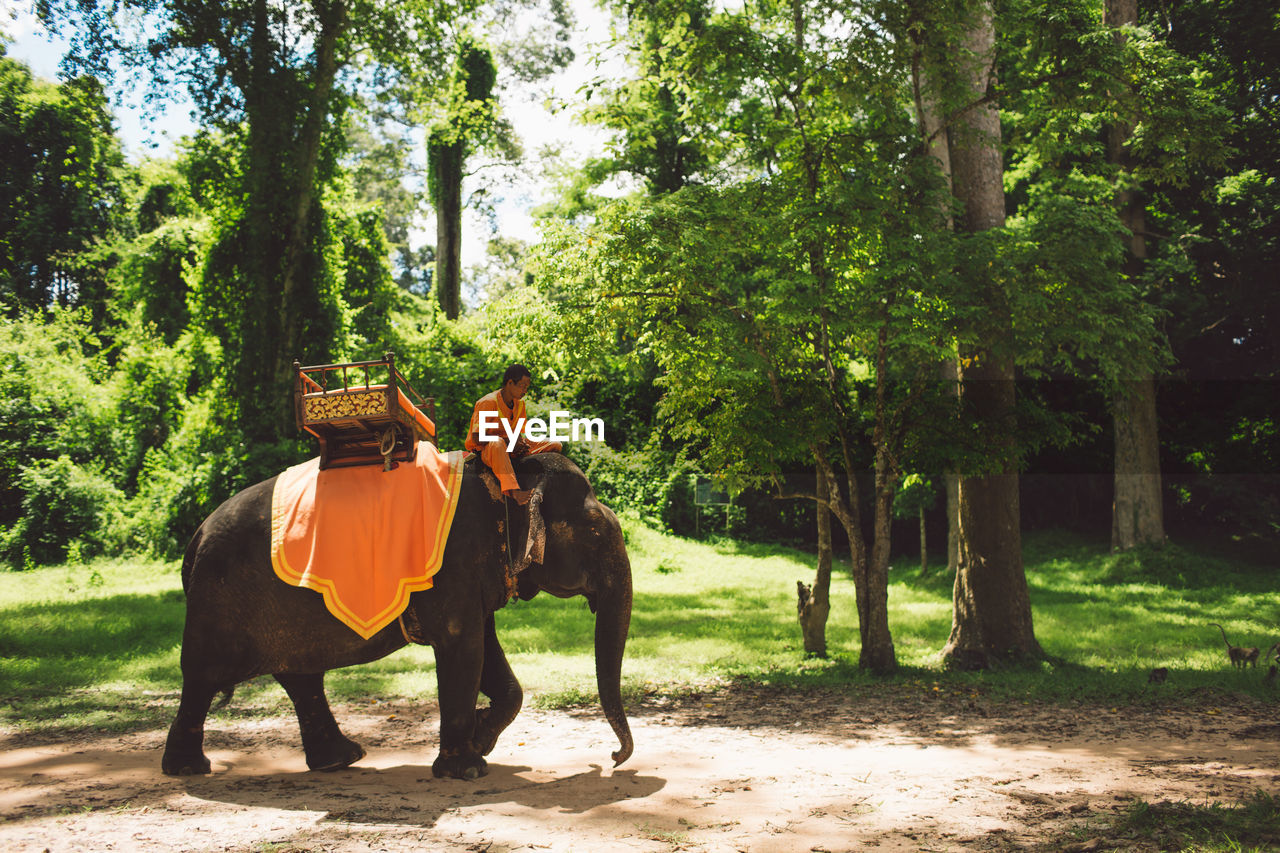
358 410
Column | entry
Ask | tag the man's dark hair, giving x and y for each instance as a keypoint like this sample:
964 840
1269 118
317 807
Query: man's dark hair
515 373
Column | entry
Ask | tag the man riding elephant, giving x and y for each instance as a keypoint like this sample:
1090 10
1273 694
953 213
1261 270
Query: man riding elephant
488 433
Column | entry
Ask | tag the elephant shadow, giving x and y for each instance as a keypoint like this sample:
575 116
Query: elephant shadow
409 795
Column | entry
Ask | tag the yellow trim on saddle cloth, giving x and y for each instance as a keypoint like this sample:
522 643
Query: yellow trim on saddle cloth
298 528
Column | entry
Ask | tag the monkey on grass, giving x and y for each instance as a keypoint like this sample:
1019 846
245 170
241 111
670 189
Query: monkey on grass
1239 655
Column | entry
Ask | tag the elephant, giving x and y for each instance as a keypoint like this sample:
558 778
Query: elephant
243 622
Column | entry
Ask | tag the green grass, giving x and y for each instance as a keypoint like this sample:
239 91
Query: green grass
1251 826
97 646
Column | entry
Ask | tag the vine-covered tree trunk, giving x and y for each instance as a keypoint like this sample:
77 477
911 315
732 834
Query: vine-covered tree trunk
271 249
448 160
814 604
470 117
300 297
991 607
1137 513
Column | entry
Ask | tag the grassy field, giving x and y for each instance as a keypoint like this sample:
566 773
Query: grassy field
97 645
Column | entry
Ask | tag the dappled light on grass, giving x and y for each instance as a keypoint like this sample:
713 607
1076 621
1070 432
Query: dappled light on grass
89 646
98 645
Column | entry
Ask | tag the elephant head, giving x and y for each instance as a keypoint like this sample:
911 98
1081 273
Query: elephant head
573 545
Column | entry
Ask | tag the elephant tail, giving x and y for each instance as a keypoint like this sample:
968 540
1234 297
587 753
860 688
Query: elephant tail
189 558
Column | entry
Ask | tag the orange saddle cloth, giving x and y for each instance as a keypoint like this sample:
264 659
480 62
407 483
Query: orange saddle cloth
362 537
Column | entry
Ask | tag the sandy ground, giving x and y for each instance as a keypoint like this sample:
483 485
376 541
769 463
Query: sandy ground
749 770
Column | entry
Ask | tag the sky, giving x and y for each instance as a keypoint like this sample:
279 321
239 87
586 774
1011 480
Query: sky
536 124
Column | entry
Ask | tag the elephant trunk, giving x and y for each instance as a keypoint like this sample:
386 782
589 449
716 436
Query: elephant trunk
613 620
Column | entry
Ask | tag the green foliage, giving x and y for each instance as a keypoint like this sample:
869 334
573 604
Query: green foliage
153 275
55 428
62 503
915 494
376 162
638 482
469 120
658 138
201 464
60 189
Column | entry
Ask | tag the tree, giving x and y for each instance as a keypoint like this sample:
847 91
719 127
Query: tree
1138 510
61 190
276 77
151 276
1216 257
1109 109
470 119
658 140
992 607
913 498
813 602
377 161
793 294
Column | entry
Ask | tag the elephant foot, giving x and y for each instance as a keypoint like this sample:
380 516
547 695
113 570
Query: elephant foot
173 764
459 765
334 754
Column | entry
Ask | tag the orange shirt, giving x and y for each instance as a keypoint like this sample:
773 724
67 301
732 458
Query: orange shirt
492 402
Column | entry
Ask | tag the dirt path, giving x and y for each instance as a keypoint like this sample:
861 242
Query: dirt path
754 770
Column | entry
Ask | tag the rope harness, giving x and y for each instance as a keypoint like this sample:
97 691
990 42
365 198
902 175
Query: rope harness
386 447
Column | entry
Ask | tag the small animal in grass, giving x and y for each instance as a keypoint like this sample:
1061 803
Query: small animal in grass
1158 675
1270 678
1239 655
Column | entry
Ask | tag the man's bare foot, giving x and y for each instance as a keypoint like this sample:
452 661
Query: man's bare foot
520 496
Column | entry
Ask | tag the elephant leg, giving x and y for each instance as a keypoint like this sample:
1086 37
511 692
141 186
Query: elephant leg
184 749
498 682
326 747
458 669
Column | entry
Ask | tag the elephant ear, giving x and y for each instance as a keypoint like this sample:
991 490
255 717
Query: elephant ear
536 542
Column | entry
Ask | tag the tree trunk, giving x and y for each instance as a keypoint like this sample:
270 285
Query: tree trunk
814 603
276 263
953 523
253 343
924 547
298 295
1137 513
448 281
878 654
951 374
991 606
936 146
